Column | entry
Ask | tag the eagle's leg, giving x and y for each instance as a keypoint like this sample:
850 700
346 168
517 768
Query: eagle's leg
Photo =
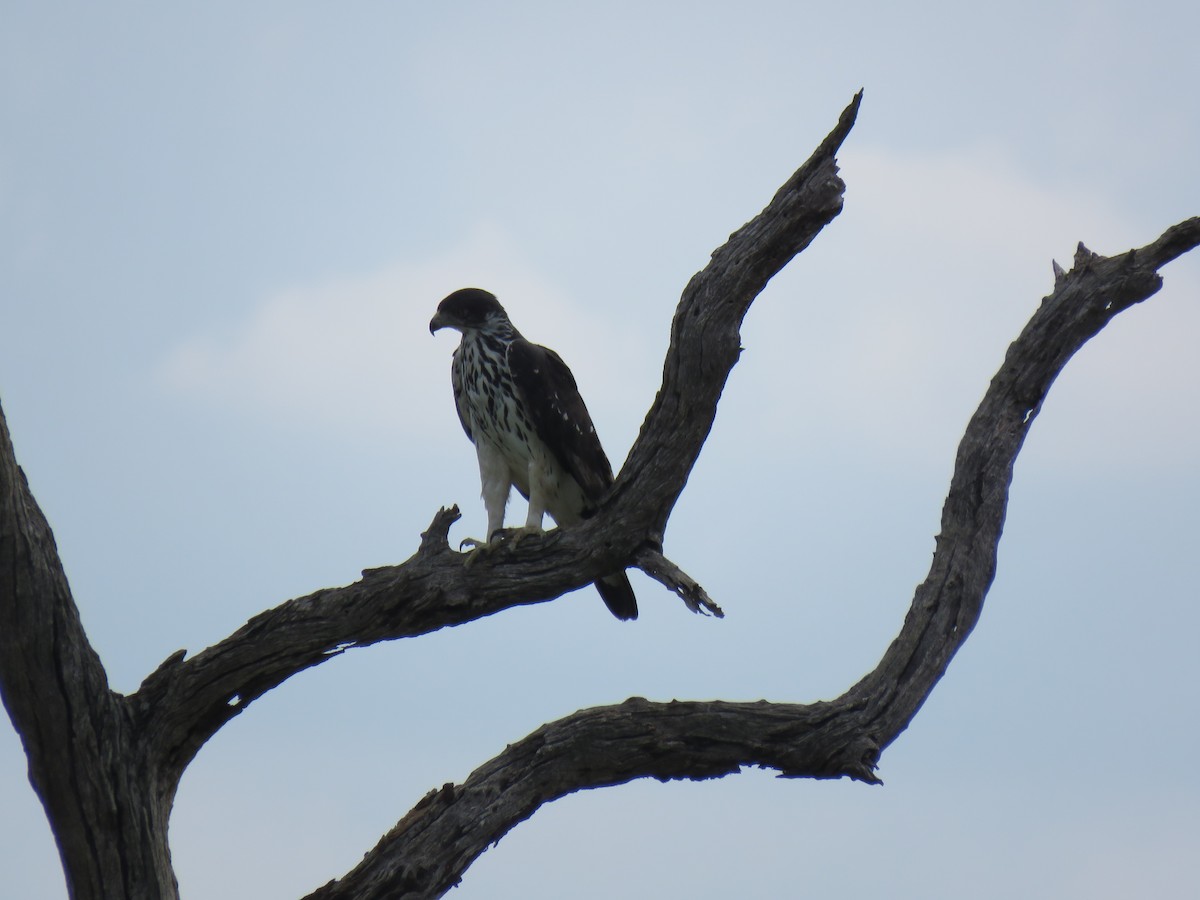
538 489
509 536
494 476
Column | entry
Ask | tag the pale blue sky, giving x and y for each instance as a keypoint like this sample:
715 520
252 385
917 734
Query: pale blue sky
224 231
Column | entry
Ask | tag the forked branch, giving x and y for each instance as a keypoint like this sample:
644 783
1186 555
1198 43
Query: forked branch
430 849
129 753
427 852
433 589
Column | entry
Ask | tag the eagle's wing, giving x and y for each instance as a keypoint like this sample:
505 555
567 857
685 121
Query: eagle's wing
560 419
548 393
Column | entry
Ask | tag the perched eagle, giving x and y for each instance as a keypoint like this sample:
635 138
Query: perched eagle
519 405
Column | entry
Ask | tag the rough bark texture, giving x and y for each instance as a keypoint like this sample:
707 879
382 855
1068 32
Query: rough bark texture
88 756
106 766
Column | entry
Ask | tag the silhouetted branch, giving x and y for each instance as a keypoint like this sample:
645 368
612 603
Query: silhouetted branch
666 573
85 763
106 767
429 849
433 589
427 852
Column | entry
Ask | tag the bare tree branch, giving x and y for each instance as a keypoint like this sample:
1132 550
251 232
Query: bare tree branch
843 738
947 604
671 576
107 766
706 333
132 751
85 762
427 851
186 701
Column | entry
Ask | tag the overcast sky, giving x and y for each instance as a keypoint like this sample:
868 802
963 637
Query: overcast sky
225 229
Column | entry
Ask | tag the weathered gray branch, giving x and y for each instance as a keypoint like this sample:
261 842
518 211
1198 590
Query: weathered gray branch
947 604
109 798
843 738
706 333
671 576
433 590
427 851
87 761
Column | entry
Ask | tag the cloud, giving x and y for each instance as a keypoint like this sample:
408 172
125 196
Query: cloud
882 335
355 352
889 328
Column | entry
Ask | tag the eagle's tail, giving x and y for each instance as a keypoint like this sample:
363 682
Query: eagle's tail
617 594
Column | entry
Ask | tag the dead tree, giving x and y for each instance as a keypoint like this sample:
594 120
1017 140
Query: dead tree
106 766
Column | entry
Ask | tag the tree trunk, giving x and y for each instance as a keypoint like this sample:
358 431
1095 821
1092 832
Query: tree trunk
88 758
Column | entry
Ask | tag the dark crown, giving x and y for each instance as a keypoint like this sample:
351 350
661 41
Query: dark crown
471 306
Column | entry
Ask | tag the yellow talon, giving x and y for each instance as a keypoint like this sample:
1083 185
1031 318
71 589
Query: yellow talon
514 536
509 537
477 547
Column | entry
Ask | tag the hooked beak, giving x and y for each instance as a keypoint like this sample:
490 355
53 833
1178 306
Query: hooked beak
438 321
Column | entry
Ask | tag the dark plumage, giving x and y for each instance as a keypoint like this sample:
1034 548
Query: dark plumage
519 405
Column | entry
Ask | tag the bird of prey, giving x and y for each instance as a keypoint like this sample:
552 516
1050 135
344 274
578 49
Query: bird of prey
519 405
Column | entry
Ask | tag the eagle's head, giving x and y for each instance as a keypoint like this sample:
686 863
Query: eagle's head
469 309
